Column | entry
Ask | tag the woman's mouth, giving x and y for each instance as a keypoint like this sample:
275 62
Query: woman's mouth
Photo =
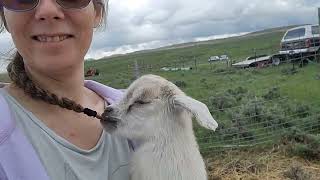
48 39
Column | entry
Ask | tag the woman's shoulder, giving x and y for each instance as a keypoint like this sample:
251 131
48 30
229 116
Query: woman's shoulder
6 122
16 153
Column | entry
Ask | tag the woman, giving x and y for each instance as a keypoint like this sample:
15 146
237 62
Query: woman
50 104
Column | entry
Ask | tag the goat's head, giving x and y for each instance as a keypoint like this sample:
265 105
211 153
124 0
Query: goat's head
153 104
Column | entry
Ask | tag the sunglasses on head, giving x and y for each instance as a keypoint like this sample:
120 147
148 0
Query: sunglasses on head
27 5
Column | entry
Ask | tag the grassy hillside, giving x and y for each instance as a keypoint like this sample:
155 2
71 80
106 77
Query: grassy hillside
119 68
252 106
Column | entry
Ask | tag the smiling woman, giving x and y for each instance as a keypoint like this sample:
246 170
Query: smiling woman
46 112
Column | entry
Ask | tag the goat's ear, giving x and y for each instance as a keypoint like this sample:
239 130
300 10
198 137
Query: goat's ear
198 109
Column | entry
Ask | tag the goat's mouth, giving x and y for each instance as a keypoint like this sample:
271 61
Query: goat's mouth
111 122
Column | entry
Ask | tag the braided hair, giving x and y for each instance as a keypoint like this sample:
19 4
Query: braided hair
19 77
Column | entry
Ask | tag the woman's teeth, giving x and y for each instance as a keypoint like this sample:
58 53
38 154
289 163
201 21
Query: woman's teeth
51 38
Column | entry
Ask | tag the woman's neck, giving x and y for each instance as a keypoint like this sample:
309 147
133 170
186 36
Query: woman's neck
68 83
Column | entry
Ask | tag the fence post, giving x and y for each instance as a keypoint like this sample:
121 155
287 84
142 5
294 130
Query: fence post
319 16
136 69
255 54
195 63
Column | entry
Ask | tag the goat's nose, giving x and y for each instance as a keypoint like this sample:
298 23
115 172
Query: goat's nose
108 109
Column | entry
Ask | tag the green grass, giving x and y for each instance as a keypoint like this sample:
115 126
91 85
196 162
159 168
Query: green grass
119 69
214 80
4 78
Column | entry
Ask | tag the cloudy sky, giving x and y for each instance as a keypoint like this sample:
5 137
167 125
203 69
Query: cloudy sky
143 24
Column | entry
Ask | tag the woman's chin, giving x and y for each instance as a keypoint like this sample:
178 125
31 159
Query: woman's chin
54 65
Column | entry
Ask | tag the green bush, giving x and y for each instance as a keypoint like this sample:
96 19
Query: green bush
180 84
302 144
238 92
220 70
253 110
297 173
273 93
279 118
302 110
289 71
222 101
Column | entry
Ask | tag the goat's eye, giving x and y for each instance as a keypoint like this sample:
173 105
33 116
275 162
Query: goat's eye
141 102
138 102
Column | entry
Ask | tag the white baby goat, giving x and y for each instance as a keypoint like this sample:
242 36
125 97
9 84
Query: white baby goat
158 115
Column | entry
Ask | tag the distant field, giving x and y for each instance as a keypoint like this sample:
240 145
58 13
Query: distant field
237 48
252 106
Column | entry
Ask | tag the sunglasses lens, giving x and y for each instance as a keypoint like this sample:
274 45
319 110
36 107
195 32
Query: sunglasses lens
25 5
73 4
19 5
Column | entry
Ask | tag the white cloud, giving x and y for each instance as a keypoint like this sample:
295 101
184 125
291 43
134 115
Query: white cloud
124 49
144 24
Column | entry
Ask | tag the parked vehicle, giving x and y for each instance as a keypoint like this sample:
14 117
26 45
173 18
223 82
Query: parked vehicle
257 57
218 58
224 57
213 58
302 41
298 45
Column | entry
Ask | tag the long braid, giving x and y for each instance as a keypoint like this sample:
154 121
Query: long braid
18 75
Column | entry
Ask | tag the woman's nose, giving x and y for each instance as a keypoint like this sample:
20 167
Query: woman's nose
48 10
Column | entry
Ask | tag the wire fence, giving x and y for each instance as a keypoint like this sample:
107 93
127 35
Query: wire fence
250 118
251 108
186 63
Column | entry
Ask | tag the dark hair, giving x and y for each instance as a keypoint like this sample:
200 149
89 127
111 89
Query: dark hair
19 77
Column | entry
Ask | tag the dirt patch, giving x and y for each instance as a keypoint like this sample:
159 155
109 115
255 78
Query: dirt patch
259 165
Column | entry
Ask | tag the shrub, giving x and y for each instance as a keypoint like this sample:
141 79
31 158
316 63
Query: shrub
305 151
238 92
297 173
302 110
222 101
220 70
302 144
238 127
289 71
275 120
253 110
180 84
273 93
203 80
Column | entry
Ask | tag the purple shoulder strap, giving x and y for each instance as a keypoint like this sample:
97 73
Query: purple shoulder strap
18 160
110 94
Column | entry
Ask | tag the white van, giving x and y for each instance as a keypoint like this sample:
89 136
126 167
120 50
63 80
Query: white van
302 40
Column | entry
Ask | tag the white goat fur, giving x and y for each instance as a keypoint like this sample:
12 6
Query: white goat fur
158 115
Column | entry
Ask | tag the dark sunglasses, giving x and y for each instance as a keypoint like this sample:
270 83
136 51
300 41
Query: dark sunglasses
27 5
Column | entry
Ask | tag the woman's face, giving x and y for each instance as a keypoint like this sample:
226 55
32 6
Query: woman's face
50 38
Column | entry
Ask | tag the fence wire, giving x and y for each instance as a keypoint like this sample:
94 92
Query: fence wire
261 116
260 120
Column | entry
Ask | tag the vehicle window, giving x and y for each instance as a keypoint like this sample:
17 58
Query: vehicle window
315 29
295 33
